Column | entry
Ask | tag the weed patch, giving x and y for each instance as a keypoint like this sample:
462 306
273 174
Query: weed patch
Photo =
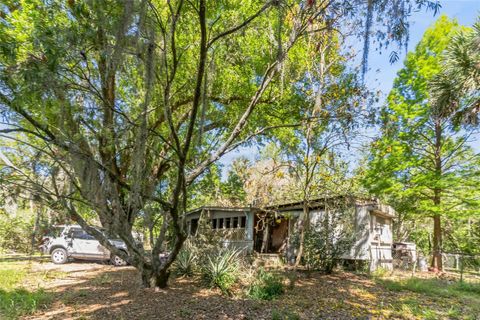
15 301
266 286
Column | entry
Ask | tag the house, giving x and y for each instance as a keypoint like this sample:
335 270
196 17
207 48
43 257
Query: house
270 229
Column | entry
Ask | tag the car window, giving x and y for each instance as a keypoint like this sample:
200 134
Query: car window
89 236
80 234
54 232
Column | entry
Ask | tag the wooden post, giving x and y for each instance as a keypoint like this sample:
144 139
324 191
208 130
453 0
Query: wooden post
461 268
265 237
289 234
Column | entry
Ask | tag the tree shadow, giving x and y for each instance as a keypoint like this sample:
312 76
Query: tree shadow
116 293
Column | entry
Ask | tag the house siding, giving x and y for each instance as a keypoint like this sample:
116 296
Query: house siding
244 242
373 229
361 246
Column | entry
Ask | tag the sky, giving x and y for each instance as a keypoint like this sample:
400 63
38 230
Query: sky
381 73
465 11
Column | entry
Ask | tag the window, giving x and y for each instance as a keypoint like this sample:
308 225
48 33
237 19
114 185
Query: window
55 232
76 233
80 234
229 222
235 222
193 226
382 232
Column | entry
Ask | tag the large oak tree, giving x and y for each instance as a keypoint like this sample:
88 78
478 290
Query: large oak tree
130 101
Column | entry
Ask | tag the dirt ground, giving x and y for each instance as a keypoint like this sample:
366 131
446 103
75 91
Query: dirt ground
99 291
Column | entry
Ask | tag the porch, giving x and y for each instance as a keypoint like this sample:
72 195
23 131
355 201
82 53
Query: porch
271 234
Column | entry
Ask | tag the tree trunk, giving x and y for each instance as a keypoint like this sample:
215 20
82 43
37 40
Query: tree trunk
437 196
36 226
266 236
302 225
437 243
157 279
146 275
161 278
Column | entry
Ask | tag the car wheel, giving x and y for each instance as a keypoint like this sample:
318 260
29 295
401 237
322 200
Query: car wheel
59 256
117 261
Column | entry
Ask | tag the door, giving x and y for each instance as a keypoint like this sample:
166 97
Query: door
85 245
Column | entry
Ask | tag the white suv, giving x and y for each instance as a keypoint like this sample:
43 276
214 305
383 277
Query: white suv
71 241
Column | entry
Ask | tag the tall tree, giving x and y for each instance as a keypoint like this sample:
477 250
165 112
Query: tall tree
421 155
132 100
334 103
456 90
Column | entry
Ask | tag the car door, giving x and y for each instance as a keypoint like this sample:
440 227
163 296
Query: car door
85 245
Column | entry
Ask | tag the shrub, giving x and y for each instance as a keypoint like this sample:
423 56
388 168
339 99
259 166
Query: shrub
15 233
267 286
221 270
329 237
186 261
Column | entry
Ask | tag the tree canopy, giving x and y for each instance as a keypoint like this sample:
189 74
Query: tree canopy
129 102
422 162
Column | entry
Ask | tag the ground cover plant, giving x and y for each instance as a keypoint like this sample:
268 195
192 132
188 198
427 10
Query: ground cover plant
15 299
266 286
448 290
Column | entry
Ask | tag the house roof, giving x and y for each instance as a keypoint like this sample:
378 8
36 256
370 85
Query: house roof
373 204
218 208
383 210
312 204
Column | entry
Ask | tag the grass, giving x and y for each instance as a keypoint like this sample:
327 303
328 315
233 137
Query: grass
102 280
439 299
284 315
389 296
433 287
15 300
413 308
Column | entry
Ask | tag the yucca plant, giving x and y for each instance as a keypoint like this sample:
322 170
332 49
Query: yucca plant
221 270
186 261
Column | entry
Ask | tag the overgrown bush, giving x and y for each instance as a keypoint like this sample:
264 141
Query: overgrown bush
330 236
221 270
15 233
266 286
